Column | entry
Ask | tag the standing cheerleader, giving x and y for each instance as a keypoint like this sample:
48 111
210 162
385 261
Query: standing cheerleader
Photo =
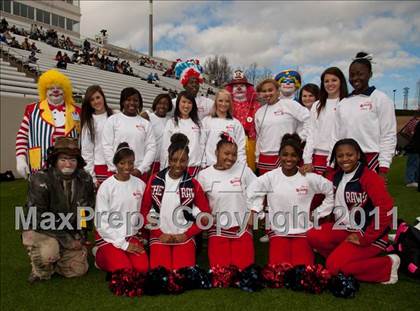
185 121
318 142
225 183
119 246
221 120
272 121
367 116
308 95
95 112
172 200
362 210
128 126
158 118
289 196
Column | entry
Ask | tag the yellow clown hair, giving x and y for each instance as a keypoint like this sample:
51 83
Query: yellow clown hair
54 77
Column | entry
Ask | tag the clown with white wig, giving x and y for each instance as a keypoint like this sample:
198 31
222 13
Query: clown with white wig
189 74
290 82
55 115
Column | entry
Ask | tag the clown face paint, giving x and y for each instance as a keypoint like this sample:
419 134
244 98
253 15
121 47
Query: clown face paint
55 95
239 93
66 164
287 87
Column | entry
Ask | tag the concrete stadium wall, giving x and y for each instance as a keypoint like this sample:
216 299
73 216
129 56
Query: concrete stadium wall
11 113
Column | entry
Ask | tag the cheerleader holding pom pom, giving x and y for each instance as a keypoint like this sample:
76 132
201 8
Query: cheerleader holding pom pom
289 195
172 201
120 246
225 183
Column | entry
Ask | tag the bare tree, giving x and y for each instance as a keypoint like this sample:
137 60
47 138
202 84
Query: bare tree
264 74
218 69
251 73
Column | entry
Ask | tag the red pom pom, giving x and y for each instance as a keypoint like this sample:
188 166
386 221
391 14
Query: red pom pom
127 282
273 275
175 281
223 277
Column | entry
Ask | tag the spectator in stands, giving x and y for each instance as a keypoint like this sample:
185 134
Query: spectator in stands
150 78
156 77
62 42
26 45
8 35
69 44
61 62
2 38
59 190
86 45
411 172
42 34
14 43
4 25
32 59
66 58
34 48
34 33
75 56
58 56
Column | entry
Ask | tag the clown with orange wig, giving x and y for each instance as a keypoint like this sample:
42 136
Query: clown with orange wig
53 116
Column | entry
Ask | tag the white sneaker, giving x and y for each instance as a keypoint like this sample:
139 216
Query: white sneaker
394 269
412 185
264 239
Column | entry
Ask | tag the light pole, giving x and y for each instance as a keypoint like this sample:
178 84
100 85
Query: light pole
394 99
151 28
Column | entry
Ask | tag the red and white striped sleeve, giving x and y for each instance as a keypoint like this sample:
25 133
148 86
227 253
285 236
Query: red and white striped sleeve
23 133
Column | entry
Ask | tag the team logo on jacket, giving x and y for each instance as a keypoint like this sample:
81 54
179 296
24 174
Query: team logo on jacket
157 190
235 181
302 190
187 193
366 106
278 112
353 197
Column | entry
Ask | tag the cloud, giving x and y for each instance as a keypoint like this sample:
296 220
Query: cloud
310 35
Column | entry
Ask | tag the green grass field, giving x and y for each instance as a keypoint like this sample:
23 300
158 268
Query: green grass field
91 292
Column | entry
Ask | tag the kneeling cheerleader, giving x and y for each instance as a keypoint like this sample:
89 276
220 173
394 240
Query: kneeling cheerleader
170 205
289 196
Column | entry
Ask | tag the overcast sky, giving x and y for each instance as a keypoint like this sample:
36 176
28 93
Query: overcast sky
310 36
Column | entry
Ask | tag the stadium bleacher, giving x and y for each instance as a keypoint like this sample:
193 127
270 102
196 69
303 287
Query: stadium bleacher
82 76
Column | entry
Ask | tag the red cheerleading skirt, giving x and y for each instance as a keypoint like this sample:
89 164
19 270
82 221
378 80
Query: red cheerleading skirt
267 163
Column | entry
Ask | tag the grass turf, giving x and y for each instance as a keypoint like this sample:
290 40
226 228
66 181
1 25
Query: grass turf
91 291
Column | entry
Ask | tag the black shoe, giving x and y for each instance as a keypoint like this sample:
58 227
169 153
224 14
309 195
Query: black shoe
32 279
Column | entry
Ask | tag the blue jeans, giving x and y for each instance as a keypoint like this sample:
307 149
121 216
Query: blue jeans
411 169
